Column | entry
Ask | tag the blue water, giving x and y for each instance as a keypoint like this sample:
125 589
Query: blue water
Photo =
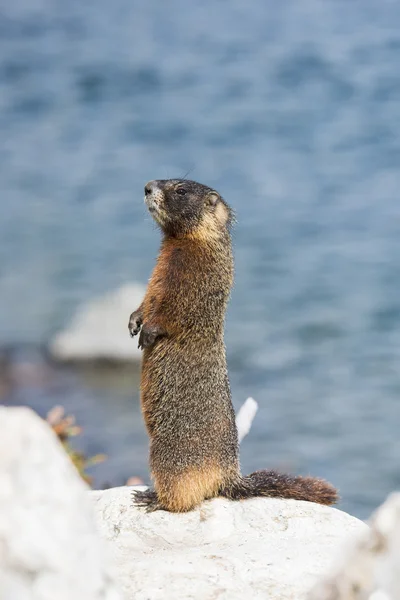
292 111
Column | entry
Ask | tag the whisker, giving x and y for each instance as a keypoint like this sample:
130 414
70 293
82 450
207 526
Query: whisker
189 171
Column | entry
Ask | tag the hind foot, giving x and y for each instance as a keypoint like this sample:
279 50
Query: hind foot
148 500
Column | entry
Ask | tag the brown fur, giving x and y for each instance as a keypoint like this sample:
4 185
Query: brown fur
185 395
186 491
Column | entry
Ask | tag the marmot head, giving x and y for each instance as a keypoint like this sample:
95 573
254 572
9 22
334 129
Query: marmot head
186 208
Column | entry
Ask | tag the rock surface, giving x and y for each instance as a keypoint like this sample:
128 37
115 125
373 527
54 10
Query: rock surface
245 416
260 548
369 568
49 546
99 330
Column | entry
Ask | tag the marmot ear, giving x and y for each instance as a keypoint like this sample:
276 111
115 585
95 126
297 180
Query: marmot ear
212 198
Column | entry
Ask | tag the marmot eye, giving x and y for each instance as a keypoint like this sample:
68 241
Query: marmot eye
181 191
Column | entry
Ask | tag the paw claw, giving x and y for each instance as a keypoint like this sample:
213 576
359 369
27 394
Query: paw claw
147 500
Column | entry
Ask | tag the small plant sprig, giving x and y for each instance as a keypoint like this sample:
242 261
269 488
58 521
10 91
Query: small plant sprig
65 427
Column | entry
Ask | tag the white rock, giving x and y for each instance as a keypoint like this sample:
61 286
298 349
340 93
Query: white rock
368 568
259 548
99 330
49 546
245 416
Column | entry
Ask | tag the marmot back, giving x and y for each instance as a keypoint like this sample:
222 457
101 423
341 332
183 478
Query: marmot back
185 394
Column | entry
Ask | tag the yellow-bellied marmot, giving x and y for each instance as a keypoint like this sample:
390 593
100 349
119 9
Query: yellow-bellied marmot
185 394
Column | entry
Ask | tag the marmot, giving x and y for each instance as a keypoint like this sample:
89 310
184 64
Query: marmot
185 393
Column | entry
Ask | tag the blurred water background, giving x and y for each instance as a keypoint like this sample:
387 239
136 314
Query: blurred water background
292 111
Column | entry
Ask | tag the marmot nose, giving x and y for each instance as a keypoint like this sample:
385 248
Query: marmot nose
149 188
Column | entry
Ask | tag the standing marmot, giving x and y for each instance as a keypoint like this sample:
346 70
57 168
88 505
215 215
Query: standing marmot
185 394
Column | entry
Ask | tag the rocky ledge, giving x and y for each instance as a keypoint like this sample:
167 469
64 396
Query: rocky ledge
59 541
260 548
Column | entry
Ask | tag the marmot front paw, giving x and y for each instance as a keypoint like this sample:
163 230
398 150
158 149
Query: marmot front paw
135 323
148 335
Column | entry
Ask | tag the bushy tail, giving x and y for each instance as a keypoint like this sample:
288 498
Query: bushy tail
278 485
